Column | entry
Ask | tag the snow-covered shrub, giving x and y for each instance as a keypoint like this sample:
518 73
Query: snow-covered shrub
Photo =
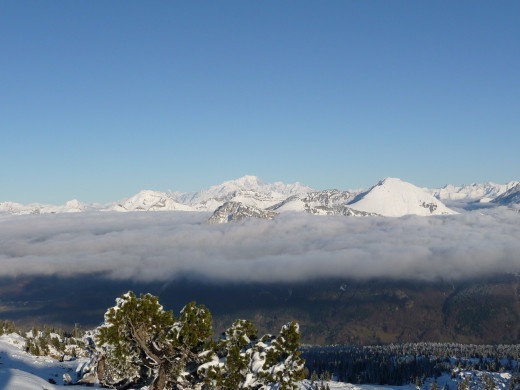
244 362
283 363
7 327
232 367
47 341
140 344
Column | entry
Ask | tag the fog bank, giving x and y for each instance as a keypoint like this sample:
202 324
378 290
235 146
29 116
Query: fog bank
149 246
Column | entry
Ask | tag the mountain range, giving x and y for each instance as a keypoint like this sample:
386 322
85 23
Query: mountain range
251 197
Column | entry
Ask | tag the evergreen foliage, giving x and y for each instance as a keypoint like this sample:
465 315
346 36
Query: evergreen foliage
141 344
7 327
232 347
283 363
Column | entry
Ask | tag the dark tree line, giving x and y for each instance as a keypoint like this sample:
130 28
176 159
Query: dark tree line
398 364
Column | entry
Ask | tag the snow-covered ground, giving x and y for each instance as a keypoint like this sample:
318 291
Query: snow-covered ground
348 386
20 370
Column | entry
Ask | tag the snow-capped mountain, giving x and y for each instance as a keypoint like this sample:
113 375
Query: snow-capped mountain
327 202
248 190
394 198
484 192
151 201
72 206
236 211
314 200
510 197
390 197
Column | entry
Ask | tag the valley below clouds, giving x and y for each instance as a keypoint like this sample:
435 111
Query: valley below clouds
161 246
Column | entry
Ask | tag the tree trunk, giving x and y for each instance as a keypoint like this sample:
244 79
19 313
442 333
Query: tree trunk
159 383
101 366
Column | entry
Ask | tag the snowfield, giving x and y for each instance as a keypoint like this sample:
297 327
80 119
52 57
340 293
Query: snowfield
20 370
395 198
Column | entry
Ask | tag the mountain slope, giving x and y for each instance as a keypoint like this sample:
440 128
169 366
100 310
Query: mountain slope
327 202
394 198
248 190
510 197
236 211
483 192
72 206
151 201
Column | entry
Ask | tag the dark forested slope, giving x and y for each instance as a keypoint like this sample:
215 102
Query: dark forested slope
329 311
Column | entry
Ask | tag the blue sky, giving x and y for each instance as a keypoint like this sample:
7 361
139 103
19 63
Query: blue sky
99 100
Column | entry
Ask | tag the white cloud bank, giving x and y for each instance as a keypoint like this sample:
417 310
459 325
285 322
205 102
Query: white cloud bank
162 245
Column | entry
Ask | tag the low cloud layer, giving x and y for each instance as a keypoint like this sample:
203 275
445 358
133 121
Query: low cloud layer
162 245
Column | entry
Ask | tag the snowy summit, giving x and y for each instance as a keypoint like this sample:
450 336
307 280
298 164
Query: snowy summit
392 197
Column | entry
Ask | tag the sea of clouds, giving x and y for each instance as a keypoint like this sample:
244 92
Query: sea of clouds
160 246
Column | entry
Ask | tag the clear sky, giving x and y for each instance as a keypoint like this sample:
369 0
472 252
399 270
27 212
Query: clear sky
101 99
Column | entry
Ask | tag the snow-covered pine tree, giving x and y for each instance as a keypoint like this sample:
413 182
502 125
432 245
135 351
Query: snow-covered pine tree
231 367
191 345
283 363
142 344
133 341
241 361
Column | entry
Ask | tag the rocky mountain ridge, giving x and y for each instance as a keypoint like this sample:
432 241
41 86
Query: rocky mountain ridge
236 212
511 196
327 202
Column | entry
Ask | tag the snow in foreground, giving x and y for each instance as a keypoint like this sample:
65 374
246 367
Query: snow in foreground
20 370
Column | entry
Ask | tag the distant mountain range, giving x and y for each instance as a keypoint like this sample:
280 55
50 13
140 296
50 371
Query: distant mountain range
250 197
481 193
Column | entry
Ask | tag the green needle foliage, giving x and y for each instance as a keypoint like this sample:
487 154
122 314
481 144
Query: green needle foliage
141 344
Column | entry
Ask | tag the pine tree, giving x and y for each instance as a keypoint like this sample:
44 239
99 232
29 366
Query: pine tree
283 363
134 335
190 346
314 377
77 332
141 343
234 348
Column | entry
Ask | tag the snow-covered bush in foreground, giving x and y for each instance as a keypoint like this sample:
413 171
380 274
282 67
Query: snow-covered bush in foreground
141 344
244 362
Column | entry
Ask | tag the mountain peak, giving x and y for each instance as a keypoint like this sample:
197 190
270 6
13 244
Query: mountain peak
392 197
73 203
247 190
148 200
389 180
249 180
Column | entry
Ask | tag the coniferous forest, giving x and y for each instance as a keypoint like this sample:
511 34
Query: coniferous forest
398 364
